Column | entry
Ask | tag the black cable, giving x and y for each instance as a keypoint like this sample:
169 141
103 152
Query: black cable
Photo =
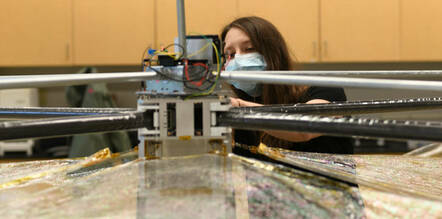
164 75
185 81
193 75
206 75
175 79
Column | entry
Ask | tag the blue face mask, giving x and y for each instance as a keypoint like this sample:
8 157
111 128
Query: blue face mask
247 62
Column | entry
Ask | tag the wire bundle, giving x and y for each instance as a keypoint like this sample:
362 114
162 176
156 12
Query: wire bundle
196 75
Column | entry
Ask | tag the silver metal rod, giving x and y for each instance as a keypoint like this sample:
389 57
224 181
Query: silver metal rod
181 25
260 77
358 72
29 81
398 74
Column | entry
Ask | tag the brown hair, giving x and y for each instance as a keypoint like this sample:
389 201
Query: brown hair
268 41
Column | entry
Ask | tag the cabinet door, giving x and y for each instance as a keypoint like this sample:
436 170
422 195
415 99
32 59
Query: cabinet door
202 17
421 30
297 20
35 32
359 30
112 32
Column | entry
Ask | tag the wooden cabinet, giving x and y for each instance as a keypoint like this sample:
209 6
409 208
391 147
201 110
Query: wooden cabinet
166 28
421 30
202 17
359 30
112 32
115 32
297 20
35 32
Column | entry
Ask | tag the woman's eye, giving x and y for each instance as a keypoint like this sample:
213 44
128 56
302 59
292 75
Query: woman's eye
251 49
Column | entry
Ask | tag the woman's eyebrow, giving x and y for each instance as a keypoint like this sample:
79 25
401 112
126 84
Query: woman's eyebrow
247 41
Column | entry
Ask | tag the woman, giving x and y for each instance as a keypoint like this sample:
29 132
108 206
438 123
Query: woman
252 43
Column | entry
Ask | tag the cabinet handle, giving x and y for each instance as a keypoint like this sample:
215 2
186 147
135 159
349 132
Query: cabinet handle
325 48
68 51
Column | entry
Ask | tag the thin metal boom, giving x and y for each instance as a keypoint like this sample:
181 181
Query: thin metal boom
257 76
30 81
394 74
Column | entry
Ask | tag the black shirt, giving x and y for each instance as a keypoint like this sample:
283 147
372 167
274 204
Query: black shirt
322 144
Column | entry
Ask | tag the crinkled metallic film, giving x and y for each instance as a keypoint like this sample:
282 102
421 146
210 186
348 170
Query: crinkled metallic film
217 186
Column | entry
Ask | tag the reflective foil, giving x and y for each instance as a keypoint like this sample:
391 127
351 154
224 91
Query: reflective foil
409 175
213 186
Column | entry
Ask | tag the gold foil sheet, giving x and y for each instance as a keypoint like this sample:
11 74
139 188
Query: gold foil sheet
209 186
410 175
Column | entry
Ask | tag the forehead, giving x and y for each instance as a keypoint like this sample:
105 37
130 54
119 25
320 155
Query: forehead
236 37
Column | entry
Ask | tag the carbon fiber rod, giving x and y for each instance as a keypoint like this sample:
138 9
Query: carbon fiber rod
350 108
417 130
45 112
38 128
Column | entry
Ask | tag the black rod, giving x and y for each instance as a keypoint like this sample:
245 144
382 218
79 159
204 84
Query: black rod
44 112
417 130
38 128
351 108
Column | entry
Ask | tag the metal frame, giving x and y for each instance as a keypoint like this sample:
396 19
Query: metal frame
158 142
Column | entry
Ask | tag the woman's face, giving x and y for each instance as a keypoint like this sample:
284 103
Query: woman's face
237 42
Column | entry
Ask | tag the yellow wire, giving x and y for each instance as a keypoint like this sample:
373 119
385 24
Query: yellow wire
218 66
200 50
204 47
189 56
